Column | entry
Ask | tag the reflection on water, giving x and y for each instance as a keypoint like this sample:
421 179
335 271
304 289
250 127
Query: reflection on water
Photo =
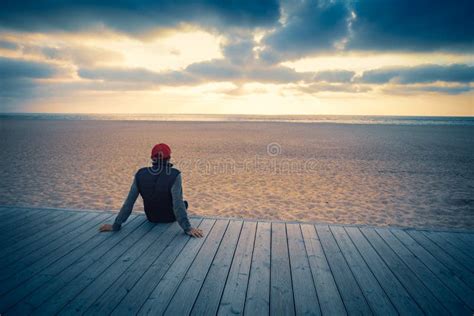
340 119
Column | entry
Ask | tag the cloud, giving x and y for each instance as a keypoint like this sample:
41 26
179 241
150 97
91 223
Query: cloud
217 69
315 27
18 80
311 26
222 70
12 68
137 75
8 45
420 74
326 87
80 56
334 76
239 49
133 17
421 25
450 90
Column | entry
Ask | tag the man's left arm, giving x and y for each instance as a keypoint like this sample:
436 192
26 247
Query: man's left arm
125 211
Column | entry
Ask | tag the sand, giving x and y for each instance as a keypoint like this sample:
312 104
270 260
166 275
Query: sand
383 175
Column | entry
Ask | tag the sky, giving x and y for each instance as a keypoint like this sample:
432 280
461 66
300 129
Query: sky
353 57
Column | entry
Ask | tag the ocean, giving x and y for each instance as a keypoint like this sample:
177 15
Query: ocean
337 119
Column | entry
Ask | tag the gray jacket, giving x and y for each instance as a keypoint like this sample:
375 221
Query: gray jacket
179 207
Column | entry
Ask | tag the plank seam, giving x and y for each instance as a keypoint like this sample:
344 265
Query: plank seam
410 269
370 269
468 269
352 272
330 269
149 267
194 259
228 271
393 273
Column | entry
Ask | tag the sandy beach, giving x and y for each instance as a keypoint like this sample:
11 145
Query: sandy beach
413 176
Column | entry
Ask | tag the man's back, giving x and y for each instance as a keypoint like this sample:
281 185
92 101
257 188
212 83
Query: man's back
154 184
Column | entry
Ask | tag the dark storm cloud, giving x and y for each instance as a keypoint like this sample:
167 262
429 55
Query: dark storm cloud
311 26
131 16
370 25
334 76
419 25
420 74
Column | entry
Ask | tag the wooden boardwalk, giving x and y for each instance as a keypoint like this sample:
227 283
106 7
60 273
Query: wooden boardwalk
56 262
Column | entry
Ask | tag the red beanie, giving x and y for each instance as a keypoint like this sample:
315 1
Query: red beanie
161 151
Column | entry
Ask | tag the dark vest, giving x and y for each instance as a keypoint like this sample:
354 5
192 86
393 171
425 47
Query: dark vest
154 184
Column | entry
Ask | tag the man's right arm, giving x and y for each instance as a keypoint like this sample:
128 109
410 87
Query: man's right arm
179 209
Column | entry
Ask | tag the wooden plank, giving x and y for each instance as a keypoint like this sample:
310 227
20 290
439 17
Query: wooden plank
12 225
37 281
26 230
7 212
40 216
49 281
174 257
465 275
373 292
38 240
467 237
183 299
28 266
23 259
14 215
451 280
13 276
454 252
350 291
281 290
418 291
429 279
456 241
330 300
159 299
306 300
86 297
20 216
258 292
144 268
55 303
400 298
41 238
233 298
207 302
105 273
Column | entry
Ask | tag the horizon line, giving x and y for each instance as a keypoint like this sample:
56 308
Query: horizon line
229 114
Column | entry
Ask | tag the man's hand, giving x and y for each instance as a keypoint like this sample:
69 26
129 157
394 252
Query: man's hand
195 232
106 228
